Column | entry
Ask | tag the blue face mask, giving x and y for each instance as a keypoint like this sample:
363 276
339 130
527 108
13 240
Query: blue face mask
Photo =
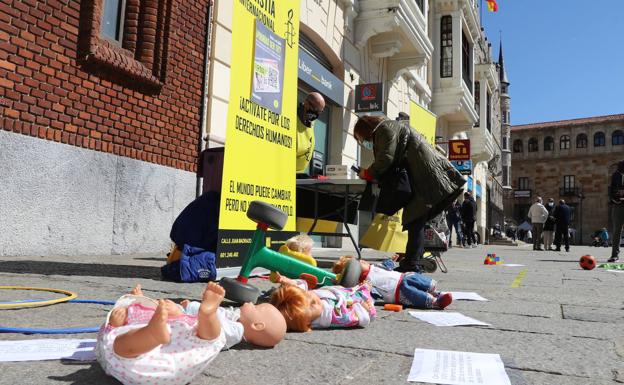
367 144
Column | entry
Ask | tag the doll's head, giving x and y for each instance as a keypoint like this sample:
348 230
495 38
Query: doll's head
301 243
299 307
263 324
342 262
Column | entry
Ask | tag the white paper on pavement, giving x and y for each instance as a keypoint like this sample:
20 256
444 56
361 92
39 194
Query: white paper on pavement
512 264
467 295
616 271
457 368
444 318
47 349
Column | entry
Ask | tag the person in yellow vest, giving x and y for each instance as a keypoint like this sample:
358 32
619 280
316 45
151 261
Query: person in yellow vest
307 112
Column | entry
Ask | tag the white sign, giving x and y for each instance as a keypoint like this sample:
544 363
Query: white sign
47 349
467 295
440 318
457 368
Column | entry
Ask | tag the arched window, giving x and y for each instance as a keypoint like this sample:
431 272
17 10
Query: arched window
564 142
599 139
617 138
549 143
581 141
517 145
532 147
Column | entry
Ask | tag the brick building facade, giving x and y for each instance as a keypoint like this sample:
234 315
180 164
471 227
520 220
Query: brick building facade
571 160
103 110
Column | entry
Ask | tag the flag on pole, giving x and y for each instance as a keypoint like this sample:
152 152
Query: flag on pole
492 6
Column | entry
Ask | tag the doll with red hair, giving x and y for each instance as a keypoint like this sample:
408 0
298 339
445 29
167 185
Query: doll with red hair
327 307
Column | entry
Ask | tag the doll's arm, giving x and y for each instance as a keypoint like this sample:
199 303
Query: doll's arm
285 281
118 316
362 314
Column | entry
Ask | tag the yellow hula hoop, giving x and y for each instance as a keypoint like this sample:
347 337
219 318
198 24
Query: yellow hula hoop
69 295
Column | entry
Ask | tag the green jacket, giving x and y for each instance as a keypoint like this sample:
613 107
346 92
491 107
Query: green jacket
434 180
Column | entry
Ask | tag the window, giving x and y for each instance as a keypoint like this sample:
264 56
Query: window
532 147
517 145
506 176
113 14
523 183
127 37
568 182
564 142
420 6
581 141
446 45
488 112
477 98
504 142
617 138
467 61
504 87
599 139
549 143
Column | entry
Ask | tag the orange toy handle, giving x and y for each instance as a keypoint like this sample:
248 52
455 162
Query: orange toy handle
393 307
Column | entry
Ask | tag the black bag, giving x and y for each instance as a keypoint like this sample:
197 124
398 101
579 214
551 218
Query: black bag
395 187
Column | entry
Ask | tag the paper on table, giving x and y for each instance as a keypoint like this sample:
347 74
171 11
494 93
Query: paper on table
467 295
47 349
445 318
512 264
457 368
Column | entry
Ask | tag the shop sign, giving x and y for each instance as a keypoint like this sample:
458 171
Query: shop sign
459 149
522 194
463 166
319 78
369 97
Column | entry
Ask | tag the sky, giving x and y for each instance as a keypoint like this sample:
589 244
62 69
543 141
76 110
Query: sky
564 58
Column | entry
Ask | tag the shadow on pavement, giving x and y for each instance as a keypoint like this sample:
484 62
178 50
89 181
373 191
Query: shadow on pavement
82 269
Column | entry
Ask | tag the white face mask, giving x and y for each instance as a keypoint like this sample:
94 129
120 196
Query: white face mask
367 144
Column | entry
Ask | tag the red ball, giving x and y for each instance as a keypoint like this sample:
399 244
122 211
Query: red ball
587 262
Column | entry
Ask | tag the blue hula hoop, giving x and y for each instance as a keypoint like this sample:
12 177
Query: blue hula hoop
57 331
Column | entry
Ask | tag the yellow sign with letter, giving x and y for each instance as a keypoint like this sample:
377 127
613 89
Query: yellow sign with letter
423 121
259 160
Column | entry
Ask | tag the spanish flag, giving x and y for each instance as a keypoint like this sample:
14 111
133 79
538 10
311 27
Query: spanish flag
492 6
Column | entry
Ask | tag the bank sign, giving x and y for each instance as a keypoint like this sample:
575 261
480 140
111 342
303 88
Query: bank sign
369 97
318 77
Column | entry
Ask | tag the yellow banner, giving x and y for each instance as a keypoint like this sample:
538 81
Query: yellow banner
423 121
259 161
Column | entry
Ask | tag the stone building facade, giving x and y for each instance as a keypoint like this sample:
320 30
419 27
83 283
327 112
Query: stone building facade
571 160
100 117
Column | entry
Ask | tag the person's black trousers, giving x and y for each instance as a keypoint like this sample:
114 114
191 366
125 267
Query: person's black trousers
415 243
562 231
469 234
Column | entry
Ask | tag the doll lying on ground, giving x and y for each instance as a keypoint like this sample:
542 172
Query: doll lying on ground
328 307
408 289
146 341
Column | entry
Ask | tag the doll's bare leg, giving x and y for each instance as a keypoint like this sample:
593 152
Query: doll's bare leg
184 303
140 341
208 325
137 290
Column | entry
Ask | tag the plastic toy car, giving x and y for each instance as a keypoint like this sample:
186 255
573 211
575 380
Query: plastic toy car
258 255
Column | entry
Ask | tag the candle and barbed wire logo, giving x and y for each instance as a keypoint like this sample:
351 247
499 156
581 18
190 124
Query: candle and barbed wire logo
290 29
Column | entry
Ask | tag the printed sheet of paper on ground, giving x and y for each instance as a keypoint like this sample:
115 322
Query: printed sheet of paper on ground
467 296
47 349
457 368
439 318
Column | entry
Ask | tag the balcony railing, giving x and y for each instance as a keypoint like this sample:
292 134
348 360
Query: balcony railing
569 191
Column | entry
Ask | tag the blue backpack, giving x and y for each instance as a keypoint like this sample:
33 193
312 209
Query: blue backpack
195 265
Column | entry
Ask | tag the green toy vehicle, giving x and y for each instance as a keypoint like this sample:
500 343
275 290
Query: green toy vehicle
258 255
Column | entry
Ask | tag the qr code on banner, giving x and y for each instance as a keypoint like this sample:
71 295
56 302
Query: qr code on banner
266 76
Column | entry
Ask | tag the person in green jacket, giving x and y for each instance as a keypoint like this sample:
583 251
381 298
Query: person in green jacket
435 182
307 113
